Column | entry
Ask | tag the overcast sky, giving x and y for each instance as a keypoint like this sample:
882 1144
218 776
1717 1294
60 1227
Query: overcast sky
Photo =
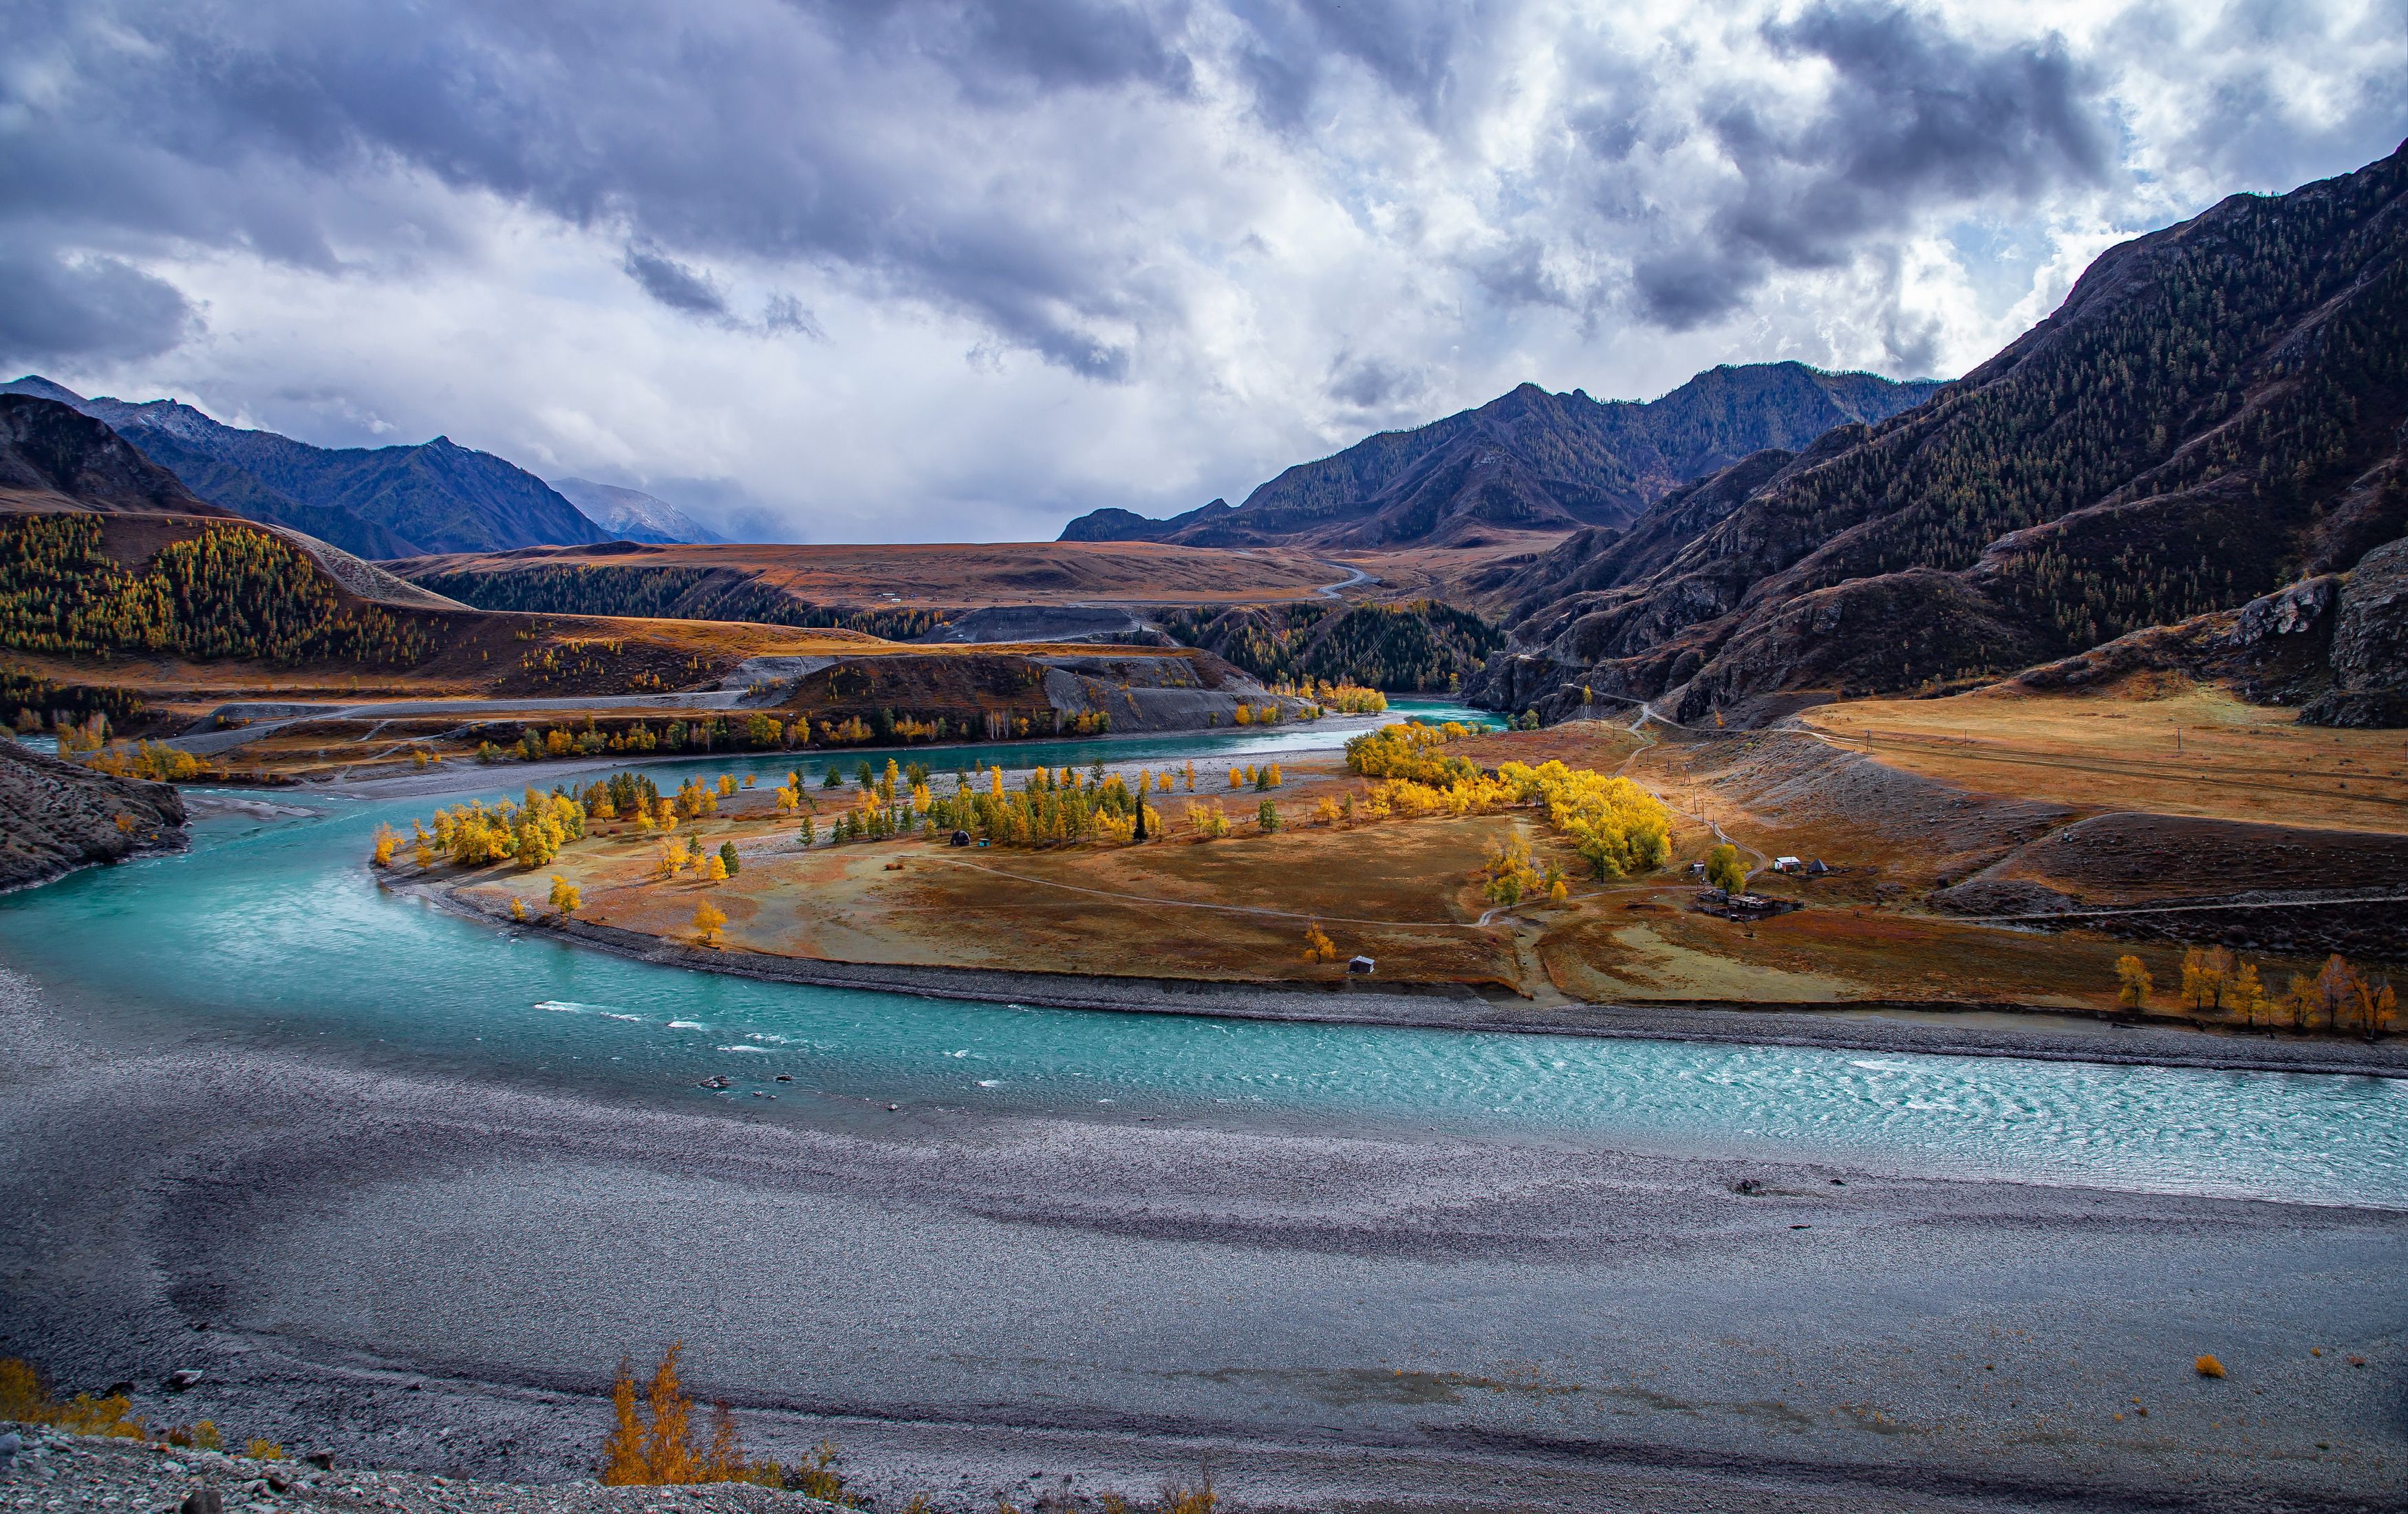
946 271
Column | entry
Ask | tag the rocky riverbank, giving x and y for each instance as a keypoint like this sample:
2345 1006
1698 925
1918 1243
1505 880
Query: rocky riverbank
56 1471
56 817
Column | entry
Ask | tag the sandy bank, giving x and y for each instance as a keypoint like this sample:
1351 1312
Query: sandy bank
1936 1027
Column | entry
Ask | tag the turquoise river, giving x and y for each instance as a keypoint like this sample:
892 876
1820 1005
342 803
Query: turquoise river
272 931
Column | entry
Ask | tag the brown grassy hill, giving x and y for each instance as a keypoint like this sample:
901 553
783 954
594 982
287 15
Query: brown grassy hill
898 583
2215 412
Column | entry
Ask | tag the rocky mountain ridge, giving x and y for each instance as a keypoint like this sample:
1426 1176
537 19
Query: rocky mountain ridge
632 515
381 502
1529 460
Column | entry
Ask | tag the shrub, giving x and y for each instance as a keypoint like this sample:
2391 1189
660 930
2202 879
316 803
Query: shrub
265 1450
651 1443
2208 1366
25 1398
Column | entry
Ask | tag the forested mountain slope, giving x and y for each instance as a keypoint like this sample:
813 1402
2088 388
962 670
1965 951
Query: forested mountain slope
1420 645
1530 459
377 502
2215 412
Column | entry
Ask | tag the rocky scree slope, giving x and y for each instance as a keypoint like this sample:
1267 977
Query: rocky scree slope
1528 461
56 817
2218 410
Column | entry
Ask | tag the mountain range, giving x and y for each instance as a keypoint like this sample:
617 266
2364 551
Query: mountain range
378 501
54 459
2214 422
632 515
1527 461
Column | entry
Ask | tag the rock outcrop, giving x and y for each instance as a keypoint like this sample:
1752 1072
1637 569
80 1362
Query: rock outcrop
56 817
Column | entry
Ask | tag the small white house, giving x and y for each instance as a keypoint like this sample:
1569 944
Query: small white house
1787 865
1359 964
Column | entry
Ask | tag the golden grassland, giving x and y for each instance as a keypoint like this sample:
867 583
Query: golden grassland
1407 892
2156 746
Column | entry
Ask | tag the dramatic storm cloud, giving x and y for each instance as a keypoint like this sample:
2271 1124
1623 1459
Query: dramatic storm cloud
961 268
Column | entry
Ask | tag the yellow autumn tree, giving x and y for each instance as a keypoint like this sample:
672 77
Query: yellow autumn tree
671 859
2248 994
564 897
1318 947
714 869
387 838
709 920
2204 974
2133 984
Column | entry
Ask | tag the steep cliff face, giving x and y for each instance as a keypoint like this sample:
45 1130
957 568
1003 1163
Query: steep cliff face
2217 409
56 817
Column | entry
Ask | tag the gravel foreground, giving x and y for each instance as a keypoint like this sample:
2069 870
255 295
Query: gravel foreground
63 1472
439 1274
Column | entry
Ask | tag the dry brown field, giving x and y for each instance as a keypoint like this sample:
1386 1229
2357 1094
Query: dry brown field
956 576
2158 746
1454 573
